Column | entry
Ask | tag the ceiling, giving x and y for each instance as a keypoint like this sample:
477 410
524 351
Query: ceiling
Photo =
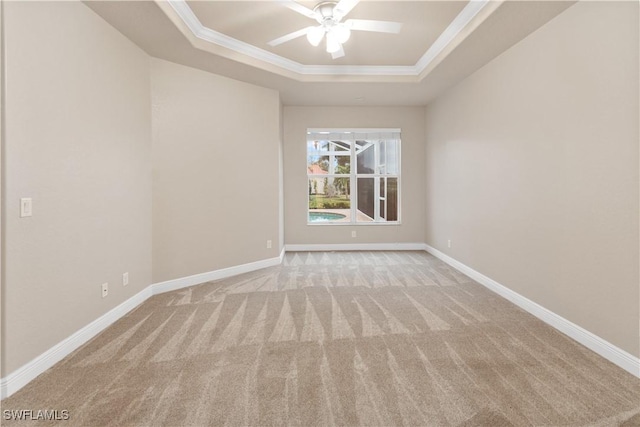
440 43
257 22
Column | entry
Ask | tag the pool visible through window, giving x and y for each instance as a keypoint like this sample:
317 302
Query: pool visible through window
353 176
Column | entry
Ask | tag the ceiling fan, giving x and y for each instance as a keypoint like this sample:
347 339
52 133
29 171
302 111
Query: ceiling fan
329 15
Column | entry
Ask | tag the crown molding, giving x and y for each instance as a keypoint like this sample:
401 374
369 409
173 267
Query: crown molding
458 24
445 43
207 34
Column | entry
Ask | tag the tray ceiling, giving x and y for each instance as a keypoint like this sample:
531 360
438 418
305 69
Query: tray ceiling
241 29
441 42
257 22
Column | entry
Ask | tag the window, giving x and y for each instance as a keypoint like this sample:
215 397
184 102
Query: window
353 176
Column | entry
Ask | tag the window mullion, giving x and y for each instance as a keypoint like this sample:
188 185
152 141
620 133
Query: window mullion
354 184
376 182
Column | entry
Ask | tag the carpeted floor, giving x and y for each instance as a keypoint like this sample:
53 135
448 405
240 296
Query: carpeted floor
339 338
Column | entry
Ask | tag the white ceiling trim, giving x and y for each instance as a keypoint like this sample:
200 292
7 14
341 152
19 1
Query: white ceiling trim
448 36
459 23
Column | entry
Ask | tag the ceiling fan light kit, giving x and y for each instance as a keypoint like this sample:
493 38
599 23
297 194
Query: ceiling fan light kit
315 35
329 14
332 43
341 32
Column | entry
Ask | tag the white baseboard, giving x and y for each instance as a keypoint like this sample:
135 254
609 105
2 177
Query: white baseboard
25 374
357 247
612 353
196 279
22 376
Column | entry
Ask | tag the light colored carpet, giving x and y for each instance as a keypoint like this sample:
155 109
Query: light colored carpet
339 338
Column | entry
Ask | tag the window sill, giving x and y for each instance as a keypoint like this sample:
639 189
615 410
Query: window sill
358 224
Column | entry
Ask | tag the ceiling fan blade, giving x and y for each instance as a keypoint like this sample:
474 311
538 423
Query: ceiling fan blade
299 8
369 25
343 7
289 37
338 54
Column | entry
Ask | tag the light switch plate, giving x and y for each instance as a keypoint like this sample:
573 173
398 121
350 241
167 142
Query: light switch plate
26 207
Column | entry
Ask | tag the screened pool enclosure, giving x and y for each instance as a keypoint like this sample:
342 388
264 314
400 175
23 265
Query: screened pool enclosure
353 176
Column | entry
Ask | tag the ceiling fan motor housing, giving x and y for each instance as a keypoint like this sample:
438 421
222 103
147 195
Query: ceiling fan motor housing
329 15
325 11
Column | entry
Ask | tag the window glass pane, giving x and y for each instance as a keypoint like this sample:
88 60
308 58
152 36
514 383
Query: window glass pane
317 146
315 166
341 187
322 165
361 144
392 158
340 146
343 164
328 146
329 193
392 199
382 187
366 199
316 186
366 159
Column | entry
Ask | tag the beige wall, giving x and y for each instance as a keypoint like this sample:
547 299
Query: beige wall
532 169
296 122
78 141
215 171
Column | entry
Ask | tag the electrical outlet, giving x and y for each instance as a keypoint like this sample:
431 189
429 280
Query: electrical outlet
354 234
268 244
105 289
26 207
125 279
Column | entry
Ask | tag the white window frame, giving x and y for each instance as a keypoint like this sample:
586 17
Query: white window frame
333 134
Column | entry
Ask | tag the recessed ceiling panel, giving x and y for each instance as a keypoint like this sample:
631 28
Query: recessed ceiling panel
258 22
